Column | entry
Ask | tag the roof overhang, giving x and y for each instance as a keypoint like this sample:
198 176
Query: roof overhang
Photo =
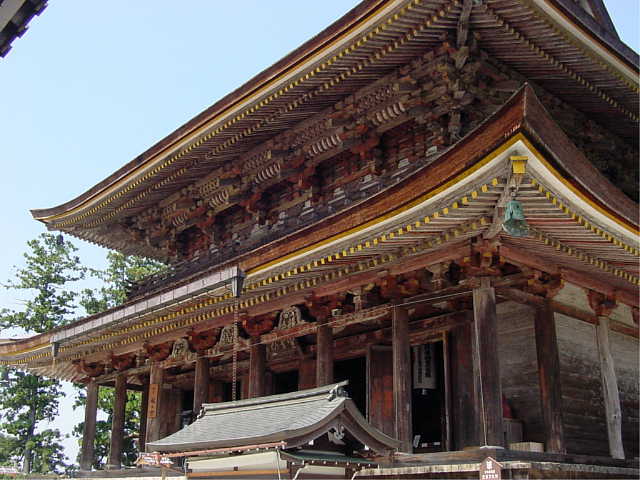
583 227
603 80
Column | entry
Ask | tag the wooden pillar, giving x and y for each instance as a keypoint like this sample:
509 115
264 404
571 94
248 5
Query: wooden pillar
117 423
89 432
610 392
324 351
486 366
306 374
257 369
200 384
465 415
549 375
402 377
144 408
154 420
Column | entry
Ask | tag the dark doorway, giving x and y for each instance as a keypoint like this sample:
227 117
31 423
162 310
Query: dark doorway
355 371
428 398
285 382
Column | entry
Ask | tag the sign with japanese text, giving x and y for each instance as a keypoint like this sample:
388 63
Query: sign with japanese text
490 469
154 390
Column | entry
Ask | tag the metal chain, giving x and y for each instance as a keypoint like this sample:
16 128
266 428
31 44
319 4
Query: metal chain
234 374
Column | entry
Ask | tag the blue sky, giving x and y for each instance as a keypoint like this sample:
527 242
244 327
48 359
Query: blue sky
93 84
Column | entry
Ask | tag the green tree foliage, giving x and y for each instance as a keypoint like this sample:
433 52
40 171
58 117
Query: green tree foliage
121 272
27 400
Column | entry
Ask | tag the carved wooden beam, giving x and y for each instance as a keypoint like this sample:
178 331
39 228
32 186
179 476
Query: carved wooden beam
90 369
122 362
158 352
256 326
202 341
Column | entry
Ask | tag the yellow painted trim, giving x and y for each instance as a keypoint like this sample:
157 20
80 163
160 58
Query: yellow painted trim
28 350
624 224
508 144
422 198
357 42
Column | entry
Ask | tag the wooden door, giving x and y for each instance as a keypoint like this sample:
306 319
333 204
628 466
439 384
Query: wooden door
380 412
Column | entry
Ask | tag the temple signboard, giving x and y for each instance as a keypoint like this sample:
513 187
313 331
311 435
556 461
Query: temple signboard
152 411
154 459
490 469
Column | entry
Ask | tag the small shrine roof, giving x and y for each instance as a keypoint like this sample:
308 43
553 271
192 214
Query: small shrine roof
292 418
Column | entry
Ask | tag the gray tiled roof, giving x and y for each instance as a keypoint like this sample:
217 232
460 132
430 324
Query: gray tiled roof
293 418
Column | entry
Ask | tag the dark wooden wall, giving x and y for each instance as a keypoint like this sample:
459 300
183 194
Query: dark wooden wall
519 367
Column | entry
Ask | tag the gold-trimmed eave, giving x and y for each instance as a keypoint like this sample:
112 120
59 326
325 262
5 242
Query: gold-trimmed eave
353 42
260 289
133 178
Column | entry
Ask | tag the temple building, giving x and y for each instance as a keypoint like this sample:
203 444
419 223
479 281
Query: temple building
408 249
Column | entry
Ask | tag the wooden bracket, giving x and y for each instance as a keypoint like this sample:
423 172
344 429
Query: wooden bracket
601 304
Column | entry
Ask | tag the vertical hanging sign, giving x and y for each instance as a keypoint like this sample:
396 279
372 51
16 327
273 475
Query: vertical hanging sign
490 469
152 411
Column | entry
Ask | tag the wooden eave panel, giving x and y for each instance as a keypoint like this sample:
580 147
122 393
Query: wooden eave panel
524 18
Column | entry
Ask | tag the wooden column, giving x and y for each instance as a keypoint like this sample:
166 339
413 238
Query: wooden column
89 432
549 375
154 420
402 377
324 349
465 415
257 369
117 423
200 385
610 389
486 366
144 408
306 374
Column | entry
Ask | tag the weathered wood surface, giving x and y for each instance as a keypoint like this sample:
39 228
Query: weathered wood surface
582 401
402 377
257 370
519 366
87 450
625 354
465 432
380 406
144 410
306 374
117 423
486 365
610 389
324 355
200 384
154 419
549 377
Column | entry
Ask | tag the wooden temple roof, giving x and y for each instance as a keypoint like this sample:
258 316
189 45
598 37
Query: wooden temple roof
290 419
550 42
428 218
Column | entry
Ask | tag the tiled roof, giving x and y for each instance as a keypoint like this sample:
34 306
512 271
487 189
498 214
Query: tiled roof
293 418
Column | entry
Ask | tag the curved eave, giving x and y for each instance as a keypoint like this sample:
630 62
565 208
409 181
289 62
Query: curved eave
344 413
307 53
521 125
126 181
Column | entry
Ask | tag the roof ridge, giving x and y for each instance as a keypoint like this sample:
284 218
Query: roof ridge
334 390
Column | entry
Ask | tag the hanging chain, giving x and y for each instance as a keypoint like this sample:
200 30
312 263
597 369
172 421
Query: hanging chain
234 374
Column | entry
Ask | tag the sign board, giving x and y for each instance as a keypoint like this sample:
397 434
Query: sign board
154 390
153 459
490 469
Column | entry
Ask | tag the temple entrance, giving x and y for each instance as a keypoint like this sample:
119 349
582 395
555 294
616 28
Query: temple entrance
353 370
428 398
285 382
